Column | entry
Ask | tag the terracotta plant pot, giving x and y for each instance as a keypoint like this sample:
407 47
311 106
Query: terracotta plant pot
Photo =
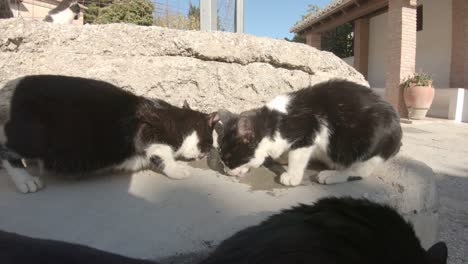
418 100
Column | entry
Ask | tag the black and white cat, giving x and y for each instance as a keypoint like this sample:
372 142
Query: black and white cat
343 124
74 126
332 231
64 13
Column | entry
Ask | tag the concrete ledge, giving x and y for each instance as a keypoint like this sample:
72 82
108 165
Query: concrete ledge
147 215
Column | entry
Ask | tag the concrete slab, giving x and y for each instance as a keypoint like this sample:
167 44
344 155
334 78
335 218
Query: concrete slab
443 146
147 215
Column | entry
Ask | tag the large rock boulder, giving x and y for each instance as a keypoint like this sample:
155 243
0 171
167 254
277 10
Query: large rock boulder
209 69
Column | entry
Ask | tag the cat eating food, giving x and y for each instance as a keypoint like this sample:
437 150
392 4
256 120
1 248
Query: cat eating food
75 126
340 123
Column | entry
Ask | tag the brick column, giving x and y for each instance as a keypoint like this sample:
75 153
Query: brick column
361 45
314 40
457 67
401 53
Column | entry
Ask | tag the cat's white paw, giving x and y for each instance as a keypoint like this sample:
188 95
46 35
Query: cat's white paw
290 180
178 171
26 183
331 177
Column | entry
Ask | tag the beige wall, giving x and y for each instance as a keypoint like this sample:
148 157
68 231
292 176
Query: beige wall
349 60
377 50
433 49
434 44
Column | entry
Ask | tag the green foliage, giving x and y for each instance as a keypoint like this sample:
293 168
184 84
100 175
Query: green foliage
91 13
180 21
194 17
311 9
418 79
138 12
339 41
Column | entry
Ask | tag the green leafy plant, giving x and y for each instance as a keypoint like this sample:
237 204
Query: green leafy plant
418 79
138 12
339 40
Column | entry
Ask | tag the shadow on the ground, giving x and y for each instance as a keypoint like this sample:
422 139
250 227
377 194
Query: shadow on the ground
453 213
141 215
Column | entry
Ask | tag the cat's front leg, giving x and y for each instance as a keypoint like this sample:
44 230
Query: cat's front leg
24 182
297 163
161 157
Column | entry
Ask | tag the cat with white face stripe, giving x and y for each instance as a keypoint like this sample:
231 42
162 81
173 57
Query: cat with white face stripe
342 124
75 126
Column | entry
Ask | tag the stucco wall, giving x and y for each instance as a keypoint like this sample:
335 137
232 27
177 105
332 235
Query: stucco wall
349 60
433 44
377 50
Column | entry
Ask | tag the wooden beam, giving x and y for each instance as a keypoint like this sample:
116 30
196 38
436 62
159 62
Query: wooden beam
363 10
357 3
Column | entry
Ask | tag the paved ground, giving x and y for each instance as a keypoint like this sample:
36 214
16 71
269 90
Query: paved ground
444 146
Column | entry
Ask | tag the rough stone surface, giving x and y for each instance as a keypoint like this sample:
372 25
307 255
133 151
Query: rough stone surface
210 69
147 215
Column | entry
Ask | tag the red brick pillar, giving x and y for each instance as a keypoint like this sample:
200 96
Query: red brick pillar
459 25
314 40
361 45
401 53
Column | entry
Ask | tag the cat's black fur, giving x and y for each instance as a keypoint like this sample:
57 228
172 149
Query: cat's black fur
361 125
333 231
17 249
77 125
5 10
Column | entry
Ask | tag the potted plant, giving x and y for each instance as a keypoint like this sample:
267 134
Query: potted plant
418 94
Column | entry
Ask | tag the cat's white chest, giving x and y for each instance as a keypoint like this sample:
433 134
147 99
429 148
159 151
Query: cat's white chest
189 148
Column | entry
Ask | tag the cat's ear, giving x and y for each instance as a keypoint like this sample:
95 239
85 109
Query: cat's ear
186 105
213 118
438 253
245 129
